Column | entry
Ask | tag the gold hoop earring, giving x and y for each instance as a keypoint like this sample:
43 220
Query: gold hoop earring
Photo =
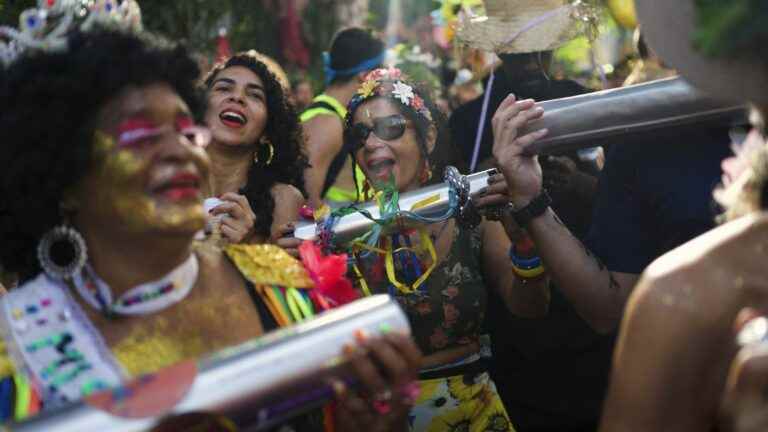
264 141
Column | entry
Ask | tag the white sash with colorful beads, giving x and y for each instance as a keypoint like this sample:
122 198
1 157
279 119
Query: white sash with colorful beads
51 339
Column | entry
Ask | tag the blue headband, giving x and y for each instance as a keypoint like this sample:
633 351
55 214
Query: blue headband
367 65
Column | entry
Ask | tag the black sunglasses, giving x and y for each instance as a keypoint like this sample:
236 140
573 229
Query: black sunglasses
386 128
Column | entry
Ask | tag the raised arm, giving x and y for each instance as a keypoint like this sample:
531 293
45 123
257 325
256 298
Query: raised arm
597 294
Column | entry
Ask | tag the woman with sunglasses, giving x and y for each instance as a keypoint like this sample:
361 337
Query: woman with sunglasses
256 151
394 131
101 200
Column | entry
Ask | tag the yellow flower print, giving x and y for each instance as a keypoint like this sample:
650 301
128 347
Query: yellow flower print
367 88
456 420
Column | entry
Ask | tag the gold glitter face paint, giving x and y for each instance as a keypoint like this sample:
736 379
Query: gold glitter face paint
120 175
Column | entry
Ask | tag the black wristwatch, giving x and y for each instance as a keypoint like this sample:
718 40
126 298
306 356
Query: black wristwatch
534 209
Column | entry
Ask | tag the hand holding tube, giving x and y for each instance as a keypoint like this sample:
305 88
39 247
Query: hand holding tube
523 173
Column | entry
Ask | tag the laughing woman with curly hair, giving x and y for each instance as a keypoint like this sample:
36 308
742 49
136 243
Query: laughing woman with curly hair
256 150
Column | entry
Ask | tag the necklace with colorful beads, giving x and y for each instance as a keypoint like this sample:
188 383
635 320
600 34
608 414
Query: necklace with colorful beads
143 299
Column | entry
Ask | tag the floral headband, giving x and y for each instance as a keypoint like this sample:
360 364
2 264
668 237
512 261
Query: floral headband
388 83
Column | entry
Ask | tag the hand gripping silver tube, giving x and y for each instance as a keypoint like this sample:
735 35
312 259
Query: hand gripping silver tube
352 226
255 385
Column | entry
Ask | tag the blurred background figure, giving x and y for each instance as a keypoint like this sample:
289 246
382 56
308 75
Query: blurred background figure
649 66
465 88
302 94
352 54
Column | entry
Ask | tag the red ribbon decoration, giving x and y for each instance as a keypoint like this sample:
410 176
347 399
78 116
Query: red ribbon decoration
332 288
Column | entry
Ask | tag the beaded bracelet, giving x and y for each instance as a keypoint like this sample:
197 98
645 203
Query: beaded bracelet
524 263
529 274
526 268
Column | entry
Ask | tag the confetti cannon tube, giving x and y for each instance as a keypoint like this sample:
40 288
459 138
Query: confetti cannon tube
352 226
255 386
581 121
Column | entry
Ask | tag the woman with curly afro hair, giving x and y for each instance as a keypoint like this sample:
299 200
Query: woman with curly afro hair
100 201
256 151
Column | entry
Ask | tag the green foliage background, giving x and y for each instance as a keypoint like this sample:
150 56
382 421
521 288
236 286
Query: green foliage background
250 24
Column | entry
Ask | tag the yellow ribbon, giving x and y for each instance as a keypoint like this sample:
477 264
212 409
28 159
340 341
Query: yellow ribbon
361 279
389 262
425 202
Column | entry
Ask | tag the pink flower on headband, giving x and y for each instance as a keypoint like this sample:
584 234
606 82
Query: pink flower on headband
382 74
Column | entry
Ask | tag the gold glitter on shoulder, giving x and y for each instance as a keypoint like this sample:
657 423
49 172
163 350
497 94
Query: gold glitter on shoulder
266 264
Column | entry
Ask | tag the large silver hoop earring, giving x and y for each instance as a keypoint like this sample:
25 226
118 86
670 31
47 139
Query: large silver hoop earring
62 252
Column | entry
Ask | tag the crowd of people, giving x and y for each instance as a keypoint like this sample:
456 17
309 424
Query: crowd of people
147 216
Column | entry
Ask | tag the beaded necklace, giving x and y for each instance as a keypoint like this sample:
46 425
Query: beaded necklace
147 298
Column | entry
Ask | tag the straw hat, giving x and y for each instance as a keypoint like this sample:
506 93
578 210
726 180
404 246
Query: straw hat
668 26
520 26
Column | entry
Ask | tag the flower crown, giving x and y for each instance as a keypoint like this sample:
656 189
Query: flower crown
46 27
389 83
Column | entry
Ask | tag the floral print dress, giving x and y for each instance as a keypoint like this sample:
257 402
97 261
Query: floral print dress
446 312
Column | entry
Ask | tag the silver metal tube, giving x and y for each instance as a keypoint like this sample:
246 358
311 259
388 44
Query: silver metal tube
579 121
354 225
258 384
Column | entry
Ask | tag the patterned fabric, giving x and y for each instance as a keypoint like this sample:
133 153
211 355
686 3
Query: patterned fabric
463 403
51 340
447 310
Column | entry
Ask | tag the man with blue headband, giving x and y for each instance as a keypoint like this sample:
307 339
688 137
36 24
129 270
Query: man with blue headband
353 53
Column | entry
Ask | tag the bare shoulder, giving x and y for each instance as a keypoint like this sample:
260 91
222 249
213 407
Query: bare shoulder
675 342
706 269
323 129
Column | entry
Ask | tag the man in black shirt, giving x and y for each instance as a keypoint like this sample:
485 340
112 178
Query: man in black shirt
551 372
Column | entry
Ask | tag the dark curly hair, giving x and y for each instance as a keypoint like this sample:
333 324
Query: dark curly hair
50 106
444 153
284 132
